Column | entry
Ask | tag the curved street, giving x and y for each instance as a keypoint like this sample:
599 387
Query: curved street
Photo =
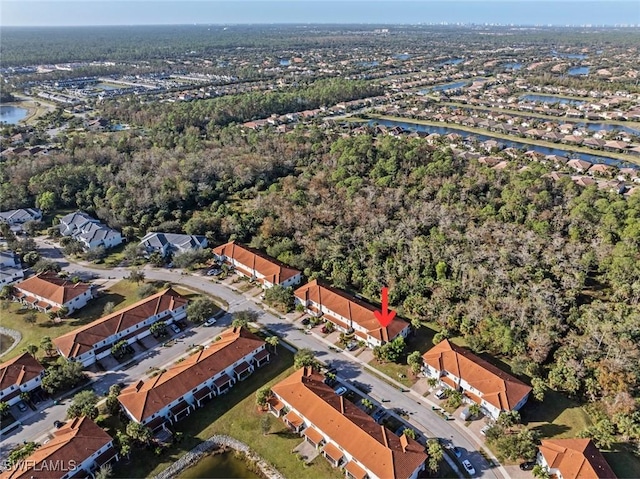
38 424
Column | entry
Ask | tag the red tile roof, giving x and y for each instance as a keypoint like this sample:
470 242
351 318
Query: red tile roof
273 271
497 387
576 459
48 285
75 441
373 446
351 308
148 397
81 340
19 371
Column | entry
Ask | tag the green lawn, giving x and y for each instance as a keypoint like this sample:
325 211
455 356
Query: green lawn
121 294
623 462
557 416
237 415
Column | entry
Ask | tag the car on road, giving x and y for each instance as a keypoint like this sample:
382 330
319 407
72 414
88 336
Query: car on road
341 390
210 322
468 467
175 328
58 424
440 394
457 452
214 272
527 466
22 406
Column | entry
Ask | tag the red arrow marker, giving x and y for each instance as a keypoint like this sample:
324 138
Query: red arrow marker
385 316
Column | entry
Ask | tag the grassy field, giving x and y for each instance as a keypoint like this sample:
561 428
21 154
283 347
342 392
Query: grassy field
121 294
237 415
557 416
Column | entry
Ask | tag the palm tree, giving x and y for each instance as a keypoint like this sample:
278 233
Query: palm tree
47 345
32 349
273 341
4 408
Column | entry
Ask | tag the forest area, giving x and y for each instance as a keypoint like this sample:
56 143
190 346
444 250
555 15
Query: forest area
545 275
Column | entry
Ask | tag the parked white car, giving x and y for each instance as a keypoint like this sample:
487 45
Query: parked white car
468 467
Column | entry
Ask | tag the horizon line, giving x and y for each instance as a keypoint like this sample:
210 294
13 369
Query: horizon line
286 23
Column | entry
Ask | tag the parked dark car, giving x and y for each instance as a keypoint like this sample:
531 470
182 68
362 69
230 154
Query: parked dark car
58 424
527 466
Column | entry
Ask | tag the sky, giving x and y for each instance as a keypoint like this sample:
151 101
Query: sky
160 12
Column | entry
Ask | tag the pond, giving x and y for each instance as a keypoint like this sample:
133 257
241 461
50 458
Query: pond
451 61
225 465
445 87
551 99
512 66
578 71
545 150
369 64
402 56
5 343
12 114
284 62
573 56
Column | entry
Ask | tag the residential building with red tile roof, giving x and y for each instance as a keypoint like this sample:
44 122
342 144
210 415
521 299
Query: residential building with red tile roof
175 393
573 459
257 265
20 374
77 449
481 382
348 313
346 435
92 342
49 292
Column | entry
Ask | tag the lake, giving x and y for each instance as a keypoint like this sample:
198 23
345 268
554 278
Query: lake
452 61
445 130
285 63
551 99
12 114
445 87
512 66
217 466
402 56
5 343
578 71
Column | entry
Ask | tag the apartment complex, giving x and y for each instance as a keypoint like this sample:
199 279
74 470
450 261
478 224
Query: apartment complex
349 314
20 374
77 450
257 265
347 436
573 459
491 388
47 292
175 393
92 342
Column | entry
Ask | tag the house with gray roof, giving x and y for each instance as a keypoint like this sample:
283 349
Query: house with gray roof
172 243
16 218
10 268
89 231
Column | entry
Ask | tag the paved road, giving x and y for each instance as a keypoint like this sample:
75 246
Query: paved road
348 366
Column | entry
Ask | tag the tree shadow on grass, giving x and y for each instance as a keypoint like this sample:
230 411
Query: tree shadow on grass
551 430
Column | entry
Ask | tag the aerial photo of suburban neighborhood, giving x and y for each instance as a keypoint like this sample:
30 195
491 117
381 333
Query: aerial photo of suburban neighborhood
333 240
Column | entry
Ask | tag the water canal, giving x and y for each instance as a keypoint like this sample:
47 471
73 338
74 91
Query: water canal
216 466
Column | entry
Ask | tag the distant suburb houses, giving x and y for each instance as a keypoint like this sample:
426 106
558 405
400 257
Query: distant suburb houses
172 243
212 371
488 386
92 342
257 265
347 436
20 374
89 231
76 450
348 313
573 459
47 292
